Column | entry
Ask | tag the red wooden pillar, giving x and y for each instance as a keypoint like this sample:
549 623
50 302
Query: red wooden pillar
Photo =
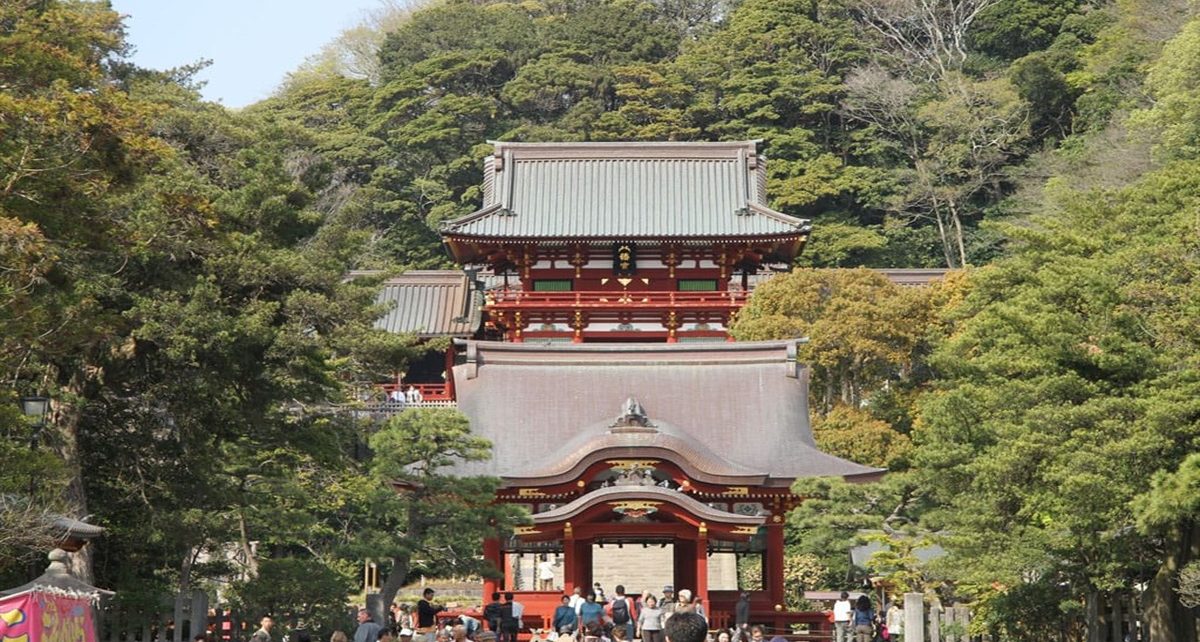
491 553
702 566
685 564
570 560
773 573
508 570
449 378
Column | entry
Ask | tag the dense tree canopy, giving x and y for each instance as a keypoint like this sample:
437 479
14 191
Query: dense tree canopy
172 274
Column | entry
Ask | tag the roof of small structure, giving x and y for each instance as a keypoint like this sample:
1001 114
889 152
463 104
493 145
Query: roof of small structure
625 191
58 580
731 409
430 303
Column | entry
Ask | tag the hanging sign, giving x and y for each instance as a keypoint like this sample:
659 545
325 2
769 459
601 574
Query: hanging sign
42 617
624 259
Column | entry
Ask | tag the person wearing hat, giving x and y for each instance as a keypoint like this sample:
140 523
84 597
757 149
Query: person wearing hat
667 606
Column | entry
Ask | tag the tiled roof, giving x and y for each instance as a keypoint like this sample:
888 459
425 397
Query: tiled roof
430 303
625 191
744 406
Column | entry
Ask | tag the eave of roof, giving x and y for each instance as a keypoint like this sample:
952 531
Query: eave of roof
430 303
625 191
650 493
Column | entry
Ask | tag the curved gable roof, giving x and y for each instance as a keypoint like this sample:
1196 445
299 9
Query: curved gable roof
625 191
736 407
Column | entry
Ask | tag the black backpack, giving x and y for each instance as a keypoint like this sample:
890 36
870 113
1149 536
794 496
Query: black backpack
620 611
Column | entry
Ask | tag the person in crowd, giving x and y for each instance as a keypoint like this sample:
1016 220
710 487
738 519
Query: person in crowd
842 610
426 615
404 622
649 621
565 618
741 612
491 613
863 620
368 630
577 599
459 633
545 569
667 604
685 627
263 634
895 621
384 635
339 636
594 632
757 634
510 618
686 604
590 613
623 614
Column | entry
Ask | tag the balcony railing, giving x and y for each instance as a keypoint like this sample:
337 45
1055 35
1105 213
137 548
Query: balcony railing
427 392
585 299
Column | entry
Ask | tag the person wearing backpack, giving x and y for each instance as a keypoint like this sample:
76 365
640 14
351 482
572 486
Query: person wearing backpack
623 613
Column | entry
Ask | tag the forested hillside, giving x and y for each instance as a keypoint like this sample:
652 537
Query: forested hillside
171 274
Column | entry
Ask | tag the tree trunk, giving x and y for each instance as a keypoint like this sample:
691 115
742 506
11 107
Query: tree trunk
396 579
1092 616
66 416
247 550
958 234
941 224
1166 617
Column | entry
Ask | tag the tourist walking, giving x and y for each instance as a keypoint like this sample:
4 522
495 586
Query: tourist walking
741 612
565 619
590 613
668 604
863 620
649 622
623 613
842 610
368 630
895 621
491 613
404 623
510 618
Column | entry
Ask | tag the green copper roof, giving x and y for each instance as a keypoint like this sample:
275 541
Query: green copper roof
430 303
625 190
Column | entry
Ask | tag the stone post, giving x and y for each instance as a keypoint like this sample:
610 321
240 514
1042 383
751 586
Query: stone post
962 615
914 617
935 621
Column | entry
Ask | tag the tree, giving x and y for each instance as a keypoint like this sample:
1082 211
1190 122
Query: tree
431 522
928 37
862 330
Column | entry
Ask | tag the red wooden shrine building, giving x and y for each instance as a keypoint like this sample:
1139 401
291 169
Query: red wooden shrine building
592 351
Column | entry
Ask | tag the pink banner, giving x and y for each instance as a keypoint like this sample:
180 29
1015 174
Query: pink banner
39 617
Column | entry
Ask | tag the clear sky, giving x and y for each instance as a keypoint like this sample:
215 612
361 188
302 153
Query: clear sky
252 43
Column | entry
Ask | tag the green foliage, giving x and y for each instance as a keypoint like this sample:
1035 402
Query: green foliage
854 434
312 592
862 329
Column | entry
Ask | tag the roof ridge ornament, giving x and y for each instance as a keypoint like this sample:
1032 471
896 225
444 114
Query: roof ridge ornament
632 415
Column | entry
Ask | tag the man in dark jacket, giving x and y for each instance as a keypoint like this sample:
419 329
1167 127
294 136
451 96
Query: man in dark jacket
491 613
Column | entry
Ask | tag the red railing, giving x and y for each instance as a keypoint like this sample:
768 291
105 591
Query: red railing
510 299
429 391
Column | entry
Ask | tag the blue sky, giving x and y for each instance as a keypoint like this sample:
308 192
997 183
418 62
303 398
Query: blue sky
252 43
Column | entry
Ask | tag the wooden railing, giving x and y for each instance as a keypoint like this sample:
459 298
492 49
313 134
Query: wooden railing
429 392
583 299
